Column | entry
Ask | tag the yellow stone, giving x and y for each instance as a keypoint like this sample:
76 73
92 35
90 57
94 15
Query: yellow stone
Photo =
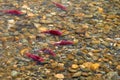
100 10
37 25
87 35
3 39
32 36
76 41
54 65
16 38
42 28
94 66
30 15
87 65
59 76
74 66
65 32
70 56
91 66
118 45
118 67
96 51
79 15
23 51
95 41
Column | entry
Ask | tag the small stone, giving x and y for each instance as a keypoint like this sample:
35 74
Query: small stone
32 37
118 67
76 41
11 21
117 39
48 15
77 74
37 25
85 26
87 35
95 66
79 15
30 14
46 21
91 66
26 7
99 75
80 61
74 66
47 71
42 28
3 39
65 32
118 45
54 65
59 68
95 41
15 66
86 65
23 51
72 70
24 11
14 73
100 10
53 13
64 1
111 76
60 64
59 76
96 51
16 33
24 41
84 74
70 56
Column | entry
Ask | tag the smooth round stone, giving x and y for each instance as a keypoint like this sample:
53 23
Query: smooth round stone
11 21
14 73
77 74
59 76
72 70
74 66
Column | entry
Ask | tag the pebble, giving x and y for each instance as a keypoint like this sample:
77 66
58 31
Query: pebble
111 76
48 15
23 51
118 67
64 1
72 70
30 14
37 25
59 76
77 74
53 13
74 66
46 21
84 74
54 65
70 56
76 41
86 65
11 21
117 39
91 66
26 7
95 66
95 41
14 73
41 28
